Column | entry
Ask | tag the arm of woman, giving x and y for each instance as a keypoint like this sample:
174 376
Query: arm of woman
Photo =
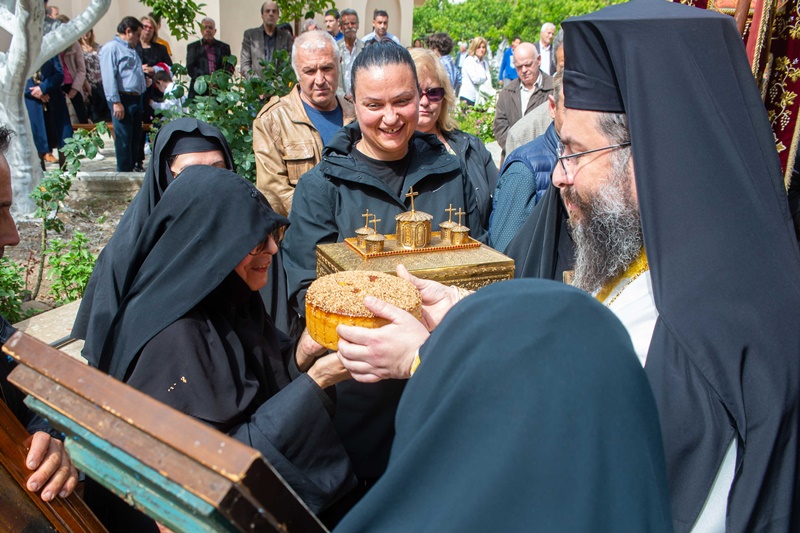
312 222
164 54
79 71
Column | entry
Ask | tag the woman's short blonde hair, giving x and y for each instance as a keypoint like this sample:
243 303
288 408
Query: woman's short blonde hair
428 65
476 42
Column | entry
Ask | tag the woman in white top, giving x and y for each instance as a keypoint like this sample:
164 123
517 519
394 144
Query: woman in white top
474 71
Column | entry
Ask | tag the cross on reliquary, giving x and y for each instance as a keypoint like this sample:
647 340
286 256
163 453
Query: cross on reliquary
375 221
411 194
366 216
459 215
449 211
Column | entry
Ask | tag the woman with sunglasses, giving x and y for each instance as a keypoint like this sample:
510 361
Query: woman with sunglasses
436 104
192 332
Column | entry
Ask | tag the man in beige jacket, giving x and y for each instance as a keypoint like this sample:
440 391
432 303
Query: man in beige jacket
289 132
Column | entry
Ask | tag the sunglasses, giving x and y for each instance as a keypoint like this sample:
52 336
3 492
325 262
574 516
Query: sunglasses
434 94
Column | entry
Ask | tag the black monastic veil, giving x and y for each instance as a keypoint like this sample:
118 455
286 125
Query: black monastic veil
101 298
512 428
191 333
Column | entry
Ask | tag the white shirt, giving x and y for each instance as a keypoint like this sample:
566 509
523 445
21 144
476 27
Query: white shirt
525 94
368 37
635 307
544 54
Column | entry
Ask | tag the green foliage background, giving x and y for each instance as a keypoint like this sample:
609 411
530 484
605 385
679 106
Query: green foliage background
495 19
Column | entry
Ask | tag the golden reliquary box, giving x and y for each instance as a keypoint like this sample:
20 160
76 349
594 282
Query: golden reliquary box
448 256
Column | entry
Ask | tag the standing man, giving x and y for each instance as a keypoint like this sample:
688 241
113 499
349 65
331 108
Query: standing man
380 25
332 24
525 176
290 131
522 95
124 84
507 72
442 44
206 55
349 48
545 50
462 55
262 42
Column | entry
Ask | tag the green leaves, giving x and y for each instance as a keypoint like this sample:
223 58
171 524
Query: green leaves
292 10
231 102
509 17
71 265
55 186
12 290
178 14
478 119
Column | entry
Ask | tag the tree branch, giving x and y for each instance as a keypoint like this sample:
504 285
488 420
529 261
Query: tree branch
65 35
7 20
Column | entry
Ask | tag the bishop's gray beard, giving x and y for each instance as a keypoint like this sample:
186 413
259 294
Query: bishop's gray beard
608 234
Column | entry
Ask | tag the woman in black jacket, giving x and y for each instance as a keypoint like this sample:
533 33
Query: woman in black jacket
436 104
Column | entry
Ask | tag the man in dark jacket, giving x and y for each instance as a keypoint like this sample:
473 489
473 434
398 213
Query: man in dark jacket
525 176
206 55
263 41
522 95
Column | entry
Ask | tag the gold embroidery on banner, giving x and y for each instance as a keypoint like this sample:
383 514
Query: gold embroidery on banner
785 70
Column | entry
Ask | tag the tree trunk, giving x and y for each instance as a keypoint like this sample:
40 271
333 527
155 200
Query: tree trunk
27 52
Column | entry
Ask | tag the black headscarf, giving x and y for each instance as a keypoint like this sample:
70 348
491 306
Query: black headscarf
205 224
724 359
102 297
509 428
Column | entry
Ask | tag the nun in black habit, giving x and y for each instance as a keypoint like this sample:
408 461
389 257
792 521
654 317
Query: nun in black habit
508 428
184 136
192 332
724 357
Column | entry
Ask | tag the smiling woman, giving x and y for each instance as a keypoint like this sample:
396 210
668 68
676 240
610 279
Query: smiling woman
370 164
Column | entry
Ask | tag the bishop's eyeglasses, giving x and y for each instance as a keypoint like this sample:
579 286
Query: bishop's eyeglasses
568 162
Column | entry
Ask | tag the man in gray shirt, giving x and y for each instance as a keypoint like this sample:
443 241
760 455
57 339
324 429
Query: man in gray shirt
124 83
349 48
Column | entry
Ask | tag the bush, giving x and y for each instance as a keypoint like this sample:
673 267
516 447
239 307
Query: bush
12 290
231 103
478 119
71 265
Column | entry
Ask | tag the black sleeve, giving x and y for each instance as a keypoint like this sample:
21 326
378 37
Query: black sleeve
295 433
292 428
192 66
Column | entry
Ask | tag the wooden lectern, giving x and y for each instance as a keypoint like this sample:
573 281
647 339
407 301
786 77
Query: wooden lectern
184 474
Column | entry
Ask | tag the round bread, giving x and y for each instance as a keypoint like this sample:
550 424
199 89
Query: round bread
339 299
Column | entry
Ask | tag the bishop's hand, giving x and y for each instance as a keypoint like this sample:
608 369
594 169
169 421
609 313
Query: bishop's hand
437 299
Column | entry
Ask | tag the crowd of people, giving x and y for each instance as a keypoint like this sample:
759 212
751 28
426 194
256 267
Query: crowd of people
660 392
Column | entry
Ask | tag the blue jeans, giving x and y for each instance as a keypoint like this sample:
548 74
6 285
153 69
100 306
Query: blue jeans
128 132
